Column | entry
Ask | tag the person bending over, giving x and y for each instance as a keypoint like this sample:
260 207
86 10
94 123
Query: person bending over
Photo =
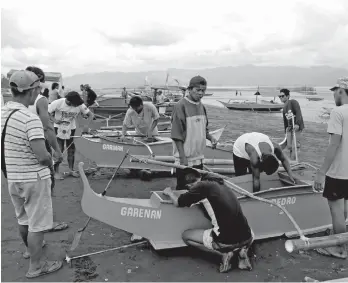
256 153
230 233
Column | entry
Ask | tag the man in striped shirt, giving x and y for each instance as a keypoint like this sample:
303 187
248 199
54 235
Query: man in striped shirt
26 164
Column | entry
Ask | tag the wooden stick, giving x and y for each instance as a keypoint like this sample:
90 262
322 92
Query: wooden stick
166 158
318 242
232 186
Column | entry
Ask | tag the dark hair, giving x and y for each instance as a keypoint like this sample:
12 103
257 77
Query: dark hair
74 98
45 92
37 71
211 178
54 85
269 164
135 101
285 91
191 175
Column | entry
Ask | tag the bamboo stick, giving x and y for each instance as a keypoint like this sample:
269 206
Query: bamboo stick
167 158
232 186
318 242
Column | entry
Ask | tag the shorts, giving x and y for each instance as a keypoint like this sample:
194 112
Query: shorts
241 165
335 189
210 244
33 204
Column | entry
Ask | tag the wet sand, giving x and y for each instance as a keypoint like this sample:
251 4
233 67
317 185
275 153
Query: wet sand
270 260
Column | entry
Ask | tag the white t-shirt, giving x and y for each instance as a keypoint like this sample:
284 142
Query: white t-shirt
64 112
338 124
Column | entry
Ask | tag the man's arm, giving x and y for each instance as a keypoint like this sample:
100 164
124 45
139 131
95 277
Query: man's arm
50 135
335 140
155 116
285 162
196 193
36 137
255 167
39 149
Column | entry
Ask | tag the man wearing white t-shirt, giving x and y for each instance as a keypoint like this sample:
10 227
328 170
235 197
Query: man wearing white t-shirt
332 177
63 113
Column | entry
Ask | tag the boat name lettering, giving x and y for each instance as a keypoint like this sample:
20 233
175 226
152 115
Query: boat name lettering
112 147
141 212
284 201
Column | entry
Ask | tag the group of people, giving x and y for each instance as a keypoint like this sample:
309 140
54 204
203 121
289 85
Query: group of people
34 131
32 126
254 153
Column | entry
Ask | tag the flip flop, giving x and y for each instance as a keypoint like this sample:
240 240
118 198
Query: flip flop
327 252
48 267
57 226
225 266
26 254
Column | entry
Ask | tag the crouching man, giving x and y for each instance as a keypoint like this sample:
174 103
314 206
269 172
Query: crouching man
230 233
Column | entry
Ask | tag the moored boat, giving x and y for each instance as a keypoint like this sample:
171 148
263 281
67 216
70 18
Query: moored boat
315 98
160 222
252 106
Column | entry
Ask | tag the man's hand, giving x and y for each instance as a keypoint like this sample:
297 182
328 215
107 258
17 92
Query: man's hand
213 142
167 191
58 156
319 181
184 161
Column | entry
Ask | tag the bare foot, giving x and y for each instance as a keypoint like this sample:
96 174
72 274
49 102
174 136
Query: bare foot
243 260
225 265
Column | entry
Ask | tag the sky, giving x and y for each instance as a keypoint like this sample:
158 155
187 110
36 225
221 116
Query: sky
75 37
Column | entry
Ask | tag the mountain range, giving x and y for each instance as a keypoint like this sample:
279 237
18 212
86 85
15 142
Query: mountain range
247 75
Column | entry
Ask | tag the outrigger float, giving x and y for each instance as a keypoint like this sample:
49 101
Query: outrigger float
285 209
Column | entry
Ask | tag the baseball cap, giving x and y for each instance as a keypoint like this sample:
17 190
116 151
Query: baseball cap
341 83
24 80
197 81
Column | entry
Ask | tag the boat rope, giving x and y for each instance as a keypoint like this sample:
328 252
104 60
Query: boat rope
232 186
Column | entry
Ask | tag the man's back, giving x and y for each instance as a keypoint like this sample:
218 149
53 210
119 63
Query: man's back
22 164
233 226
338 124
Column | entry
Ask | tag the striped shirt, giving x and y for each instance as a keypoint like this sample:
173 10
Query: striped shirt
22 164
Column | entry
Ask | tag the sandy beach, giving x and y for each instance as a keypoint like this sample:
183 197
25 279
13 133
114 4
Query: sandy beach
270 260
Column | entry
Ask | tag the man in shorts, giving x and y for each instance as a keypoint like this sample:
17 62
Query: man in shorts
230 233
332 177
25 164
256 153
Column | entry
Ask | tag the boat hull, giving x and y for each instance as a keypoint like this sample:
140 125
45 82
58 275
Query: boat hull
159 221
109 153
263 107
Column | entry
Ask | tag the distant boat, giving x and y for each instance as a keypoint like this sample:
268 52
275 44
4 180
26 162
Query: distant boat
314 98
253 106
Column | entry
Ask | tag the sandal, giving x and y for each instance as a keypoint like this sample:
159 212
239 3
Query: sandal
26 254
57 226
48 267
225 266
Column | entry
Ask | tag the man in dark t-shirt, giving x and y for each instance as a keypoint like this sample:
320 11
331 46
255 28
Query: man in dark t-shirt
230 232
293 106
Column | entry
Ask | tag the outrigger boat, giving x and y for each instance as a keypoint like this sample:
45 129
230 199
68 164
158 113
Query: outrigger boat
252 106
108 152
162 224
